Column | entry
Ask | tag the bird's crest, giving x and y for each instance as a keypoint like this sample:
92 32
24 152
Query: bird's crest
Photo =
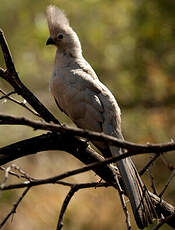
56 19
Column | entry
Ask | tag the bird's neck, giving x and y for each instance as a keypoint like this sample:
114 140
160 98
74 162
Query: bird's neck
66 57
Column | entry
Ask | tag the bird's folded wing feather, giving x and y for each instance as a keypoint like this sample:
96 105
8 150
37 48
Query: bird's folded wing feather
79 99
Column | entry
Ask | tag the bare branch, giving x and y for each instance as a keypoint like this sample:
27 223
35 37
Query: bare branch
169 165
161 206
152 182
15 206
137 148
2 72
74 188
84 154
54 179
84 185
64 206
21 175
164 221
6 52
8 96
54 141
167 183
142 171
5 177
11 76
122 199
165 209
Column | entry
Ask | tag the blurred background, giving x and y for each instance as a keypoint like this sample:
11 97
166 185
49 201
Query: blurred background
131 46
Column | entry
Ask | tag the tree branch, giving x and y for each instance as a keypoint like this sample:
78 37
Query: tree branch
23 104
142 171
11 76
15 206
74 188
53 180
137 148
49 141
86 155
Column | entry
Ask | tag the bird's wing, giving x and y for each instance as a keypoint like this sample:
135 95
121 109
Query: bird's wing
77 94
87 109
58 105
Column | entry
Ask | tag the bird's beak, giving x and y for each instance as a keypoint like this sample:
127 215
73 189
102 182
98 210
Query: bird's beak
50 41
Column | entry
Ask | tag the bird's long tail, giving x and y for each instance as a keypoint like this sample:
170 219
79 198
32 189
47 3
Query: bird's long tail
137 192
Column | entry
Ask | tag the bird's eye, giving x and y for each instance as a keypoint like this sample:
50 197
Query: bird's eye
60 36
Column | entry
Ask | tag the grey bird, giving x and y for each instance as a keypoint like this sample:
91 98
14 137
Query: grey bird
90 105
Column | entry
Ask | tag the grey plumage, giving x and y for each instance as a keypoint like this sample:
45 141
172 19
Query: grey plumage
56 19
79 94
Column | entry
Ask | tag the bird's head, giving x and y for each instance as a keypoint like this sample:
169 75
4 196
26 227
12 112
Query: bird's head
61 34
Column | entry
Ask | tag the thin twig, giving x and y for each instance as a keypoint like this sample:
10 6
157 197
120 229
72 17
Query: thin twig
142 171
152 181
7 171
74 188
10 172
5 177
84 185
169 165
64 206
15 174
8 96
167 183
164 221
15 206
122 199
